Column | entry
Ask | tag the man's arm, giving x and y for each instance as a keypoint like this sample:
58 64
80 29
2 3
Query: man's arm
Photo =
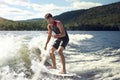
48 37
62 30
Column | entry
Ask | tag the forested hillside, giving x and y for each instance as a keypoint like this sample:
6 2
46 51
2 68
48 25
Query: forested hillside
22 25
105 17
98 18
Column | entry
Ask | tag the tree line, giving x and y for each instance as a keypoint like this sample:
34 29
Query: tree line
106 17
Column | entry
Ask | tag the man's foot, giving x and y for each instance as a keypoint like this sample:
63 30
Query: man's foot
52 67
62 72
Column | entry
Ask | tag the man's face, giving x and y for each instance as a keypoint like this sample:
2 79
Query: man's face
49 20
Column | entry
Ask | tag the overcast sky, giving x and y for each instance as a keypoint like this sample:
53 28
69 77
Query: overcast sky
28 9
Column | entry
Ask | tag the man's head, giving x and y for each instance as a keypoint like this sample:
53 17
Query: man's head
49 18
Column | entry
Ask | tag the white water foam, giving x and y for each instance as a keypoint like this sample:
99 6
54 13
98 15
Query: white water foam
98 65
76 38
9 45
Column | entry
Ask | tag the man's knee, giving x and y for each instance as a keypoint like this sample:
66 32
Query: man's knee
52 50
60 50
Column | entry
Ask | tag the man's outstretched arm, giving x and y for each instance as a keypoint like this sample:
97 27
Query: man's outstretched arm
48 37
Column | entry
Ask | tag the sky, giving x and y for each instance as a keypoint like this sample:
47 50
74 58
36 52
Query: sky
29 9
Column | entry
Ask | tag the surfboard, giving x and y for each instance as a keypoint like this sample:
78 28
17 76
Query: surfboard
55 73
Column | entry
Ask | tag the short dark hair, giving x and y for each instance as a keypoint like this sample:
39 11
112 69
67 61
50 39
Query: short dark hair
48 15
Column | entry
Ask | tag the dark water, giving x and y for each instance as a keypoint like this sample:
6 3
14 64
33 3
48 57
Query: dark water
100 40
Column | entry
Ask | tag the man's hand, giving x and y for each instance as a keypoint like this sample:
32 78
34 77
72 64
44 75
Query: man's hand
54 36
45 48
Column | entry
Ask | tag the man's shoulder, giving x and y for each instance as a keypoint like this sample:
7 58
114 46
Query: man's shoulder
49 25
58 21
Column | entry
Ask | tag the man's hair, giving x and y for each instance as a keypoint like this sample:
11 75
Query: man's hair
48 15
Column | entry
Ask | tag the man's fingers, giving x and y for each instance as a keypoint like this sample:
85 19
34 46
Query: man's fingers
45 48
52 35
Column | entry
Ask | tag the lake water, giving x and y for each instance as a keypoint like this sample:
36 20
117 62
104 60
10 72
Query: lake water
93 55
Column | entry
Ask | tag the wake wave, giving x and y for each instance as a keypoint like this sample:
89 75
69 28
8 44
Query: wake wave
76 38
23 58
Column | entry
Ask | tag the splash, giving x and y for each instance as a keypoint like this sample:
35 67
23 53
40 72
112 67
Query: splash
76 38
23 58
9 46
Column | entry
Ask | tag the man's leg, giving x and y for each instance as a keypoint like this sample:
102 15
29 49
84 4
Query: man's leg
52 56
62 59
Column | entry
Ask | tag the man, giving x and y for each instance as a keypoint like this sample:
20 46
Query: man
61 42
